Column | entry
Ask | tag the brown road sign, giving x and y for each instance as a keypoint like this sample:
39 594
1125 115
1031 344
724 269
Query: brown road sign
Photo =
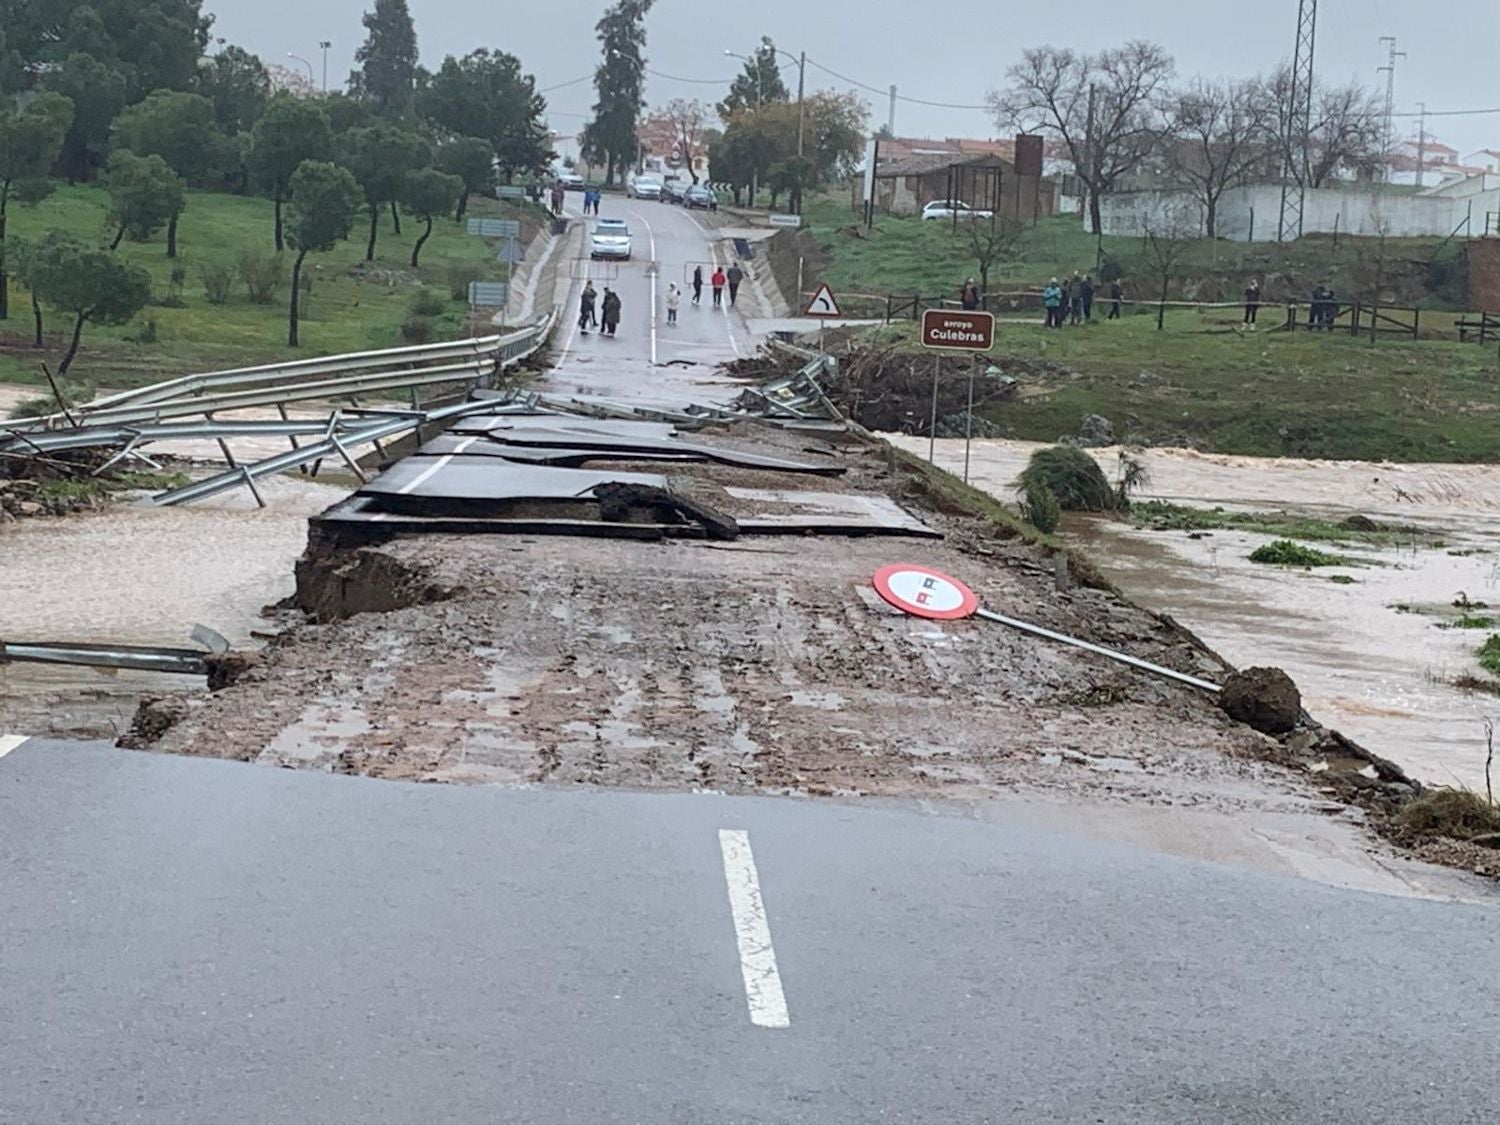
959 331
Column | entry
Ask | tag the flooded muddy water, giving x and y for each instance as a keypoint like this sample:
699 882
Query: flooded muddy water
1376 672
143 576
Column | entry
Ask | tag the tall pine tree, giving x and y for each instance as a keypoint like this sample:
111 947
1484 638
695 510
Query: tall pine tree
611 136
387 73
759 83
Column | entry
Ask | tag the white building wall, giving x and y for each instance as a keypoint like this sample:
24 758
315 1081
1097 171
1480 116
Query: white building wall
1253 213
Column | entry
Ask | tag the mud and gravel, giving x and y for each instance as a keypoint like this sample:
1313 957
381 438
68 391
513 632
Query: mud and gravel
765 664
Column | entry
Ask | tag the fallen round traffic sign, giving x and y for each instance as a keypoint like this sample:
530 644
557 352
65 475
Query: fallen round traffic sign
924 592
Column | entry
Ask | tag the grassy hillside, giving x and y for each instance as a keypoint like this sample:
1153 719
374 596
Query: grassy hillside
903 255
352 305
1201 383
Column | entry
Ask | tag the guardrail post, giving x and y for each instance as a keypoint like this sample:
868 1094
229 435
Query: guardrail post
1416 323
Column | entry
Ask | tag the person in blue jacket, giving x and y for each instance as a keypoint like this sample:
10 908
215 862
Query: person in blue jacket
1052 301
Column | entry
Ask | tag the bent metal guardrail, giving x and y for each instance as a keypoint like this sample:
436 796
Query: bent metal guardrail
135 418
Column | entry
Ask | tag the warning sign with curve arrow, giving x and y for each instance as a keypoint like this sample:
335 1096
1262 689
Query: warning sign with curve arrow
823 303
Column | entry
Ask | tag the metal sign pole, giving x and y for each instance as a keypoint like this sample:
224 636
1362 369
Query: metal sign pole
969 424
937 360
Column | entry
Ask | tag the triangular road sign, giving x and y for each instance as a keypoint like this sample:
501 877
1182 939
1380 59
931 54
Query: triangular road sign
823 303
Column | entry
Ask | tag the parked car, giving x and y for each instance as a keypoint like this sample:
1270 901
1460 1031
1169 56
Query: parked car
673 189
643 187
571 181
948 209
611 239
699 197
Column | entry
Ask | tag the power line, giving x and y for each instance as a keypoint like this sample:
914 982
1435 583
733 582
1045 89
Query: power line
886 93
564 85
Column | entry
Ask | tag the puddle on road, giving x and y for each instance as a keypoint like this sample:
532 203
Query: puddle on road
1377 674
143 576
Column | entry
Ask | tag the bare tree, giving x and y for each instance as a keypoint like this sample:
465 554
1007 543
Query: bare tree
1166 240
1101 107
690 120
1219 135
1346 132
989 243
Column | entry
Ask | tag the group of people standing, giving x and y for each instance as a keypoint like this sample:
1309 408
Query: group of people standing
607 318
720 279
591 197
605 314
1072 301
1322 308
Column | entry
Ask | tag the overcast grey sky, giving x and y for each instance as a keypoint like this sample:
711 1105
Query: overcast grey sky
948 53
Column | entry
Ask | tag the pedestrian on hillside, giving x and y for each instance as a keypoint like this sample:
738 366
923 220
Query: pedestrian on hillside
1075 299
734 277
697 285
1330 308
1052 301
674 299
968 298
557 199
586 317
1116 295
1088 297
717 281
1252 302
1316 308
611 311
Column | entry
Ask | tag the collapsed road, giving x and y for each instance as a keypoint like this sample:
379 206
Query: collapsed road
604 616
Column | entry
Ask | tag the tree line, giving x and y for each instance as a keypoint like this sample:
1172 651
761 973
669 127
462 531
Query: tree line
1119 111
756 137
129 94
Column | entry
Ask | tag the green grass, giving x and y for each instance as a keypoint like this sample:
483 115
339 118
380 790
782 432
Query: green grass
1284 552
1158 515
343 313
1201 385
1489 654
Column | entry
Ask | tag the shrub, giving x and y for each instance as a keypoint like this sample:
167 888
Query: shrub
262 274
418 330
217 281
1074 478
147 334
459 276
1040 509
1455 813
1284 552
1489 654
429 302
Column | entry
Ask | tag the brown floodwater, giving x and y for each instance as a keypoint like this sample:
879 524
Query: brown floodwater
1379 674
143 576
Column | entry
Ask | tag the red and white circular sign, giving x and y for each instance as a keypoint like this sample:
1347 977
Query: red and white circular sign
924 592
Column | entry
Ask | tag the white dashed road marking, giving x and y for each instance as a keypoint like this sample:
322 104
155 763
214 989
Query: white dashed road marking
752 931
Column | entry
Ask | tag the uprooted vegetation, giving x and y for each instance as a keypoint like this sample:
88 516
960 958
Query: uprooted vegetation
1160 515
1284 552
1454 814
1072 476
64 483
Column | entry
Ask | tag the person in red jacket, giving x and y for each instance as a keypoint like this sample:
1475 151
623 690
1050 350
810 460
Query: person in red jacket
717 281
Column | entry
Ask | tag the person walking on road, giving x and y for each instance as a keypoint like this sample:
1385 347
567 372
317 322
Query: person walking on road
1252 302
1075 299
717 281
1116 295
968 299
697 285
674 298
734 277
586 317
1088 297
1052 299
611 310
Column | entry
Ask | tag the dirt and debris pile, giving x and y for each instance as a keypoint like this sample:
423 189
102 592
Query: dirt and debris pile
333 584
1263 698
636 503
154 717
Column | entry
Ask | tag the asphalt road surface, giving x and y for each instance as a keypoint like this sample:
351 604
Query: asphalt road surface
648 357
189 941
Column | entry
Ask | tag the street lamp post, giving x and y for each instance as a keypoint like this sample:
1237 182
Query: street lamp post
801 60
325 44
311 78
760 101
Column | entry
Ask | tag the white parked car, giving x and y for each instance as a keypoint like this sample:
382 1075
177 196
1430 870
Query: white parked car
643 187
611 239
940 209
571 181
